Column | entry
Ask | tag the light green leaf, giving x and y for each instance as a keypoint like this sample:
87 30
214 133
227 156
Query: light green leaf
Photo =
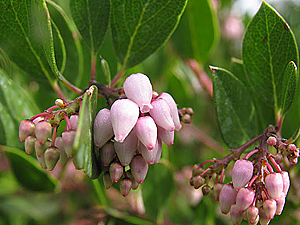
8 129
268 46
91 18
27 170
198 32
236 114
84 152
139 28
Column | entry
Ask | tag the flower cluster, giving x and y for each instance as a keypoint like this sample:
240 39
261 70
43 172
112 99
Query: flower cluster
130 134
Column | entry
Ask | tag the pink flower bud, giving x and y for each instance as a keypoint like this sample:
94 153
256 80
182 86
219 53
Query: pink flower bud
272 141
68 141
244 199
127 149
29 144
41 148
26 129
241 173
252 214
263 219
107 153
139 168
173 107
135 184
148 155
269 206
227 197
274 185
280 203
161 114
51 156
146 131
197 181
217 189
107 181
63 158
159 149
124 114
103 130
138 88
41 161
38 119
115 171
286 181
74 121
125 186
165 136
43 131
236 216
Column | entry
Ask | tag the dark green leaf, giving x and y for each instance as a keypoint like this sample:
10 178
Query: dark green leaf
91 18
155 199
27 170
198 31
235 109
286 97
268 46
139 28
8 128
84 156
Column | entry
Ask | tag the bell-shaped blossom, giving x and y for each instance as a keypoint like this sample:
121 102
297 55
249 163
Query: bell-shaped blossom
41 148
280 203
115 171
165 135
241 173
216 190
270 206
125 186
41 161
68 141
107 181
138 88
103 130
135 184
159 149
146 131
244 199
173 107
139 168
26 129
161 114
107 153
274 185
74 121
51 156
235 215
197 181
124 114
148 155
263 219
286 181
227 197
63 158
127 149
29 144
252 214
43 130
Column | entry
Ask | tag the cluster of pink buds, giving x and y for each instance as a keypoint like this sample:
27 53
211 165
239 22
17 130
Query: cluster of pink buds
129 135
40 134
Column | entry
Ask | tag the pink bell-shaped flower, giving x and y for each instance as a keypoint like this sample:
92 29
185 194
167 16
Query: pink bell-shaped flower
51 156
159 149
124 114
115 171
227 197
274 185
146 131
161 114
280 203
63 158
127 149
74 121
235 215
107 153
286 181
252 214
41 148
125 186
68 141
135 184
241 173
173 107
103 130
148 155
43 130
270 206
165 136
138 88
26 129
29 144
244 199
263 219
139 168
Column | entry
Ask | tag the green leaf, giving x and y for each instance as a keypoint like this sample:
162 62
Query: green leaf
155 199
8 129
198 32
84 152
235 109
139 28
268 46
91 18
27 171
289 83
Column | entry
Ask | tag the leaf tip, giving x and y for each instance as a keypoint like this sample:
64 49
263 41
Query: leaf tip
213 68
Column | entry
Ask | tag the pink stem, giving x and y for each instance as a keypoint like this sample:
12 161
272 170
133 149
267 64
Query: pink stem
207 161
204 172
54 136
275 164
117 77
269 167
52 107
251 153
252 180
222 175
93 66
38 115
68 122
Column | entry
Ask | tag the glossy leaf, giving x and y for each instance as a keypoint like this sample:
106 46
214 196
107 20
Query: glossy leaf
91 18
158 176
198 31
27 171
8 129
84 153
139 28
236 114
268 46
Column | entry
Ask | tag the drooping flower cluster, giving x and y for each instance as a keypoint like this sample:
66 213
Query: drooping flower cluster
130 134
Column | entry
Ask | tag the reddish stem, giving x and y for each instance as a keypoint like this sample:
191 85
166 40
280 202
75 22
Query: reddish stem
275 164
38 115
117 77
93 66
222 175
251 153
204 172
52 107
269 167
58 91
54 136
68 122
252 180
207 161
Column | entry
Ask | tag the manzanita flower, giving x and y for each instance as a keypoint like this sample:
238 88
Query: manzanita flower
26 129
74 121
252 214
124 114
148 155
68 141
236 215
43 130
63 158
125 186
146 131
138 88
106 180
244 199
115 171
274 185
29 144
173 107
107 153
241 173
270 206
227 197
41 148
139 168
280 203
263 218
286 181
161 114
159 150
51 156
103 130
165 135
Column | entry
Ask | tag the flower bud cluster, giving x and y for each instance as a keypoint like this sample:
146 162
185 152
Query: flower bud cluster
131 132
